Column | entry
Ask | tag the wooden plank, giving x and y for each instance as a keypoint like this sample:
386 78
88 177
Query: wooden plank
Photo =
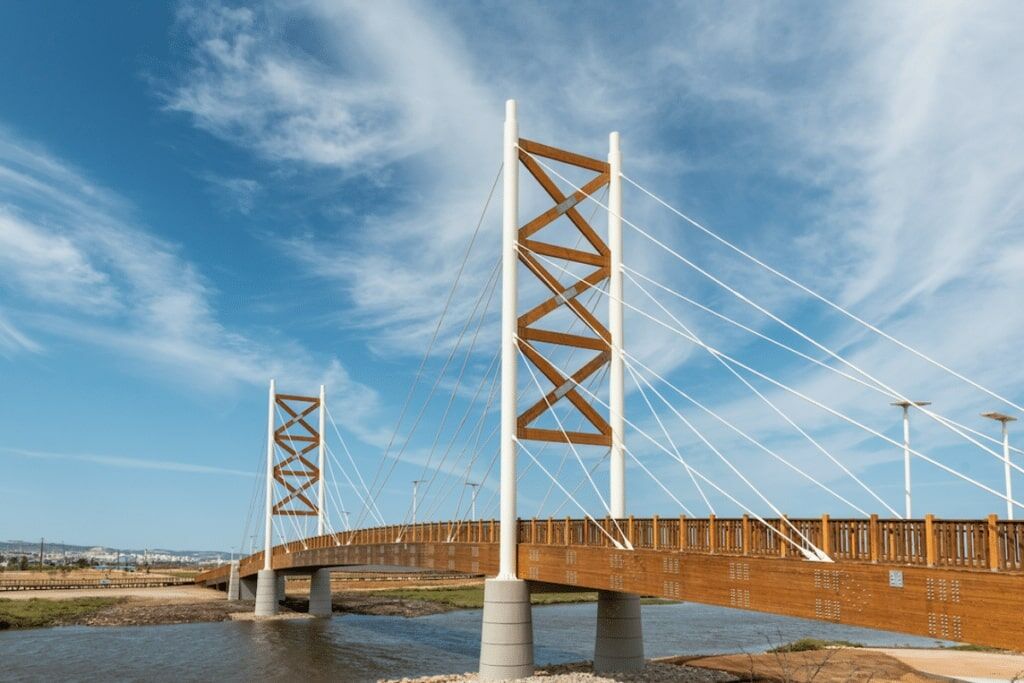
571 158
293 397
558 289
565 253
562 338
556 436
556 194
564 206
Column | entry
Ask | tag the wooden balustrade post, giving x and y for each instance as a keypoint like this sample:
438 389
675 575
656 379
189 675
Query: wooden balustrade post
993 543
683 538
630 536
551 529
491 526
533 530
783 543
745 530
826 536
606 522
712 539
929 539
568 524
873 537
656 541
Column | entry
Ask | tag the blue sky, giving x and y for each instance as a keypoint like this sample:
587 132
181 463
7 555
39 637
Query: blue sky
194 199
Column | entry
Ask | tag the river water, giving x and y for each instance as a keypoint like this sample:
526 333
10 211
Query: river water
365 648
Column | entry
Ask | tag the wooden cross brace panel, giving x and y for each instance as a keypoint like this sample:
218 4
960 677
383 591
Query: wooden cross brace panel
595 336
296 472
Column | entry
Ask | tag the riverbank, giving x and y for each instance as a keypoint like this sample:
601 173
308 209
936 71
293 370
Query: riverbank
824 665
191 604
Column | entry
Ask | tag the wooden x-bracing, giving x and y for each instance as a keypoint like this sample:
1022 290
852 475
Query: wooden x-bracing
595 336
296 472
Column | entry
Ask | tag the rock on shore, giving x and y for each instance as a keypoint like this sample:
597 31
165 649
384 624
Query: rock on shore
583 672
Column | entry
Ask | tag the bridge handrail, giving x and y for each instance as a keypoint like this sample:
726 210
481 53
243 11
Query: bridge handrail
988 544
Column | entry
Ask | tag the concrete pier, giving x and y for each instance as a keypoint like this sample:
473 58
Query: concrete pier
266 593
233 582
282 582
320 593
247 588
619 642
506 644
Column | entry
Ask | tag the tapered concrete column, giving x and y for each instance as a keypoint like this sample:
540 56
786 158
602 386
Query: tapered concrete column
266 593
506 644
320 593
619 645
247 588
279 587
233 582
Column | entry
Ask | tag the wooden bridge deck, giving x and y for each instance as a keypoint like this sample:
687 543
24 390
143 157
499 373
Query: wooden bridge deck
952 579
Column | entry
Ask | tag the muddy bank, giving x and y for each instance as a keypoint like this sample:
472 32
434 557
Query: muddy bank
146 613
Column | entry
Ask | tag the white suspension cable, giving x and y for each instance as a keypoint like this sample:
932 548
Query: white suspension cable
819 404
801 354
814 442
355 467
430 346
821 298
671 442
782 322
815 550
729 424
572 446
746 436
586 514
337 463
580 483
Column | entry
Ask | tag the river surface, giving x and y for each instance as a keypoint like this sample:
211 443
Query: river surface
365 648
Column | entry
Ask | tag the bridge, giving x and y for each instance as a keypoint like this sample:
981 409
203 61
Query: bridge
956 579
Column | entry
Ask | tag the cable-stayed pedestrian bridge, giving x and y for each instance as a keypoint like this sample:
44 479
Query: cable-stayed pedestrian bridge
957 579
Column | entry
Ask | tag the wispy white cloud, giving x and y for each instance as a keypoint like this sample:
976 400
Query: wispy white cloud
237 194
77 264
13 340
122 462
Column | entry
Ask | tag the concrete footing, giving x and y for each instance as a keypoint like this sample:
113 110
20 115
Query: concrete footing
320 593
506 644
282 582
619 643
233 581
247 588
266 593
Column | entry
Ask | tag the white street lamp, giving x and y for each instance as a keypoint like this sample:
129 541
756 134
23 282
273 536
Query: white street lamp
1004 419
906 449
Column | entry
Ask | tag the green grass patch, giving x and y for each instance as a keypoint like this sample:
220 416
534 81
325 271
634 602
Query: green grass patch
809 644
37 612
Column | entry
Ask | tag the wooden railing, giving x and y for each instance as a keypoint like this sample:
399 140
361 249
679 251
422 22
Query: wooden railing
33 584
989 544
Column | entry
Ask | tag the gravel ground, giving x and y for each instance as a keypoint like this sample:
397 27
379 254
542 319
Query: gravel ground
583 672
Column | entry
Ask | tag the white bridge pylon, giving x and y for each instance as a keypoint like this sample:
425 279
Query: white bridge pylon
506 650
290 433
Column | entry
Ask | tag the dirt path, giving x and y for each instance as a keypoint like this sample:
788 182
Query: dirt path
164 594
974 666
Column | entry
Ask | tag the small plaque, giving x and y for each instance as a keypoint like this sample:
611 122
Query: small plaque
895 578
